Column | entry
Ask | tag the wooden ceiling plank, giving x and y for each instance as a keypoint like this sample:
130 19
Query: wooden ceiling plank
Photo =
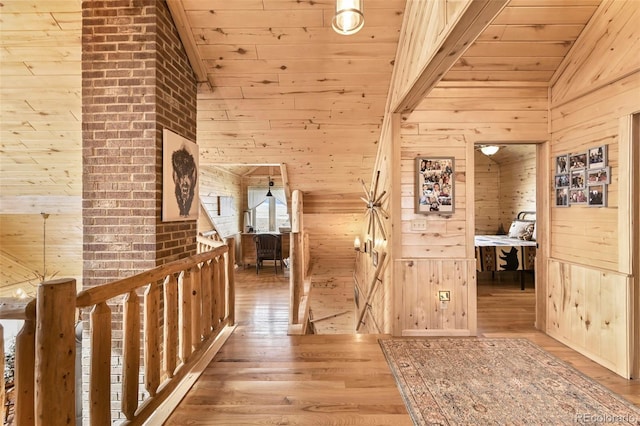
329 4
64 67
14 69
32 204
250 104
49 38
272 115
489 75
259 19
213 5
356 103
327 91
283 66
188 41
227 51
51 53
327 51
475 63
521 49
332 79
39 6
292 35
22 21
556 32
545 15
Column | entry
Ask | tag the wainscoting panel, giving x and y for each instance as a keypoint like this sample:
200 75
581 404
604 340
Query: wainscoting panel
589 310
422 313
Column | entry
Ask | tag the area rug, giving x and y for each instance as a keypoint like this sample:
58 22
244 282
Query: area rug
477 381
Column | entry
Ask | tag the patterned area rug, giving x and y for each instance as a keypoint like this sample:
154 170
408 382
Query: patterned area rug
451 381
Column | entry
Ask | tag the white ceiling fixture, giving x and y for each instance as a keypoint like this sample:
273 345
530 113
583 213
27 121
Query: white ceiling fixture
349 18
489 149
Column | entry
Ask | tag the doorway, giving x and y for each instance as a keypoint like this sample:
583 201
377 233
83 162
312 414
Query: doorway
506 184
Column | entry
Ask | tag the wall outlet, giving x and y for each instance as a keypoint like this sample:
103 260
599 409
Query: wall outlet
444 305
419 225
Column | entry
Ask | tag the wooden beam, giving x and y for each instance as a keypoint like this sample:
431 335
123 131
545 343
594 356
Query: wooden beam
285 181
473 21
188 41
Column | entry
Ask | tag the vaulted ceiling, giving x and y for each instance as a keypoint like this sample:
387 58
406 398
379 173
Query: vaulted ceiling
278 86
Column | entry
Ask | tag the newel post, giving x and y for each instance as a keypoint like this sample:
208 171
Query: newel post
55 353
231 279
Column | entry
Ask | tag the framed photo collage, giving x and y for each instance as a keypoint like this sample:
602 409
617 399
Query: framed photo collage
582 178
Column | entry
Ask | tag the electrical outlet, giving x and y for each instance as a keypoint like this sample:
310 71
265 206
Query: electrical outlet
444 305
419 225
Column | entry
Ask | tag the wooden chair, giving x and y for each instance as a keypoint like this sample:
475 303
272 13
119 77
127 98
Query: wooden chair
268 247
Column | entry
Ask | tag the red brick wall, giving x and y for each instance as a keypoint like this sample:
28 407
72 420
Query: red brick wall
135 80
176 110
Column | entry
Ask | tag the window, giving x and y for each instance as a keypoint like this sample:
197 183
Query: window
271 212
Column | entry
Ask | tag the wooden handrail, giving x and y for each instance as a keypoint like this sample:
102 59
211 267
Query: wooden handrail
188 302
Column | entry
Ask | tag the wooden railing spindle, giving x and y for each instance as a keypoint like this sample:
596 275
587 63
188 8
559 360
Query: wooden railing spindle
196 307
205 280
152 338
100 370
131 354
170 324
24 374
215 286
230 282
184 316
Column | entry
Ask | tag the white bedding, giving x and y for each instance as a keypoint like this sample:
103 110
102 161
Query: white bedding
501 240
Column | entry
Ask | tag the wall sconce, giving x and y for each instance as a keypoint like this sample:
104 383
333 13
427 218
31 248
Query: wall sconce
349 18
356 244
444 295
489 149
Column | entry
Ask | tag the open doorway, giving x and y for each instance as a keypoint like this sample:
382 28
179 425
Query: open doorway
505 219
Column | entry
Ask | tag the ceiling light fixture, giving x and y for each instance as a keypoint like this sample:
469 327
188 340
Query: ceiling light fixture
349 18
489 149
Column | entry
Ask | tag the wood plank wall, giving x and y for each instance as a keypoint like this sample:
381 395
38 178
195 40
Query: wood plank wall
597 88
379 318
589 310
449 122
215 182
487 193
517 186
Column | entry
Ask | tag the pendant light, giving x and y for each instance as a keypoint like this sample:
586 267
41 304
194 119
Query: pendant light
269 194
349 18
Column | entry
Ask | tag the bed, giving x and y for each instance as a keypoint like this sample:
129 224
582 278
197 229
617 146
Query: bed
515 251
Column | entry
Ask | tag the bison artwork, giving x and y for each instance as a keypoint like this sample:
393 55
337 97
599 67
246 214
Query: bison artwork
185 177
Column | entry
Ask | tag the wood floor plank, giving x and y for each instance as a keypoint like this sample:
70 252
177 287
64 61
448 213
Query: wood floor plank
261 376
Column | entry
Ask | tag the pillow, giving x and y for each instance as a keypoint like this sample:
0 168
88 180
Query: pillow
535 230
522 229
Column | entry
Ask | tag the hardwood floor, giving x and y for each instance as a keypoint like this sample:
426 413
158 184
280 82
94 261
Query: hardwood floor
262 376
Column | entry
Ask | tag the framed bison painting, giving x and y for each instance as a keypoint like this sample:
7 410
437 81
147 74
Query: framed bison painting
179 178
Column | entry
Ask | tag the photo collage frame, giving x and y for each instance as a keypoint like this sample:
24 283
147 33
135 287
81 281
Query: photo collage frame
582 178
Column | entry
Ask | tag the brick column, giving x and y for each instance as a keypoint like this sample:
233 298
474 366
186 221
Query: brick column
136 80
